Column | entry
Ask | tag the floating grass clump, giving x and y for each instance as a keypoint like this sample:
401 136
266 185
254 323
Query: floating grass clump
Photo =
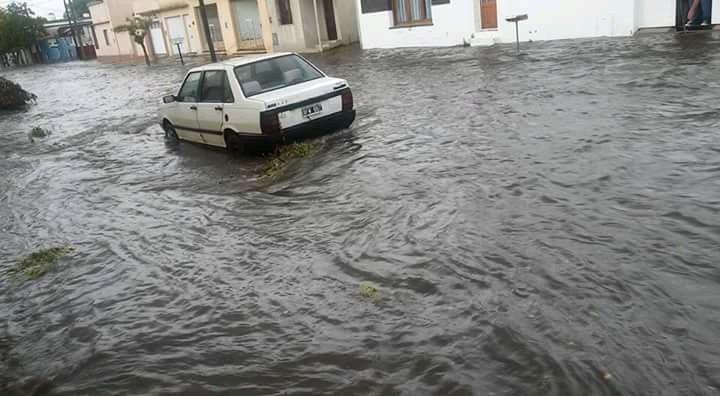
369 290
38 263
284 154
38 132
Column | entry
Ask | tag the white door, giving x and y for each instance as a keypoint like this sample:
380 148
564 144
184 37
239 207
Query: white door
158 40
176 33
247 19
185 112
193 45
214 93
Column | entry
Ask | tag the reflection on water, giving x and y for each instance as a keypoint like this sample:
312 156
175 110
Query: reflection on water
537 225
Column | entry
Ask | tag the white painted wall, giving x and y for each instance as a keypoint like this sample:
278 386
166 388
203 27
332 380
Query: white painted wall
346 20
566 19
290 37
99 13
308 22
655 13
548 20
119 11
451 24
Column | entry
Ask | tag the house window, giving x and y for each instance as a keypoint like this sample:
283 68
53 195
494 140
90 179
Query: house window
95 40
107 39
284 11
412 12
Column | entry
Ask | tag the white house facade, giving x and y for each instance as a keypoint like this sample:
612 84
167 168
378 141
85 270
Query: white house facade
425 23
436 23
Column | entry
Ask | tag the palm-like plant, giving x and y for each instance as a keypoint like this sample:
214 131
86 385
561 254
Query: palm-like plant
138 27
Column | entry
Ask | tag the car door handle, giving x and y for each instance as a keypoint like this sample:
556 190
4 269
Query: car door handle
193 107
219 108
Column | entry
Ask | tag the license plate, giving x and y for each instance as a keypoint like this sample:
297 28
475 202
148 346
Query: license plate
311 110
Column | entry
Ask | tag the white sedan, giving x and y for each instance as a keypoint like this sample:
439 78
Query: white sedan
268 98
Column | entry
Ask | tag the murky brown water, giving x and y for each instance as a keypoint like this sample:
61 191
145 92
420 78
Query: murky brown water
538 225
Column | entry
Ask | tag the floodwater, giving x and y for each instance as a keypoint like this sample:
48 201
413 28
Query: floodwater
543 224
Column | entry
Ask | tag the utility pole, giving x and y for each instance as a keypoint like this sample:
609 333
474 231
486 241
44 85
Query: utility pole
208 38
70 16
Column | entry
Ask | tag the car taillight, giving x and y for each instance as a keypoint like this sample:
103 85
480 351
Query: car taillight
269 123
347 100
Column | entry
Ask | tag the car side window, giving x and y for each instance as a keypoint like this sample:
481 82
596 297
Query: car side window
189 90
216 88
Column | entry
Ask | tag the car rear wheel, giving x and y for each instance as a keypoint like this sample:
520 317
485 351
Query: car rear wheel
170 133
233 143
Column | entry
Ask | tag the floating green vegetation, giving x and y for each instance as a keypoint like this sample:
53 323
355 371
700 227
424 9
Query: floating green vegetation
369 290
38 132
38 263
284 154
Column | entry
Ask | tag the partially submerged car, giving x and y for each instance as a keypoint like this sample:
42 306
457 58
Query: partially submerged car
268 98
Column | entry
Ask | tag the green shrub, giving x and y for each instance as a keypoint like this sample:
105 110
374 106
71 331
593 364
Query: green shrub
38 263
38 132
12 96
284 154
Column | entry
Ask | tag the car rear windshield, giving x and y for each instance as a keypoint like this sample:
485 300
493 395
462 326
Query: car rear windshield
274 73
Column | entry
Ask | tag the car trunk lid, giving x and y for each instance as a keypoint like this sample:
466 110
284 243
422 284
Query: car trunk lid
304 102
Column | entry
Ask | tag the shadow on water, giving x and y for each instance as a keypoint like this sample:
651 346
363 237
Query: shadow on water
543 224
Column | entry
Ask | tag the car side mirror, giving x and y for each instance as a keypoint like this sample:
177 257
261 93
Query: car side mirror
169 99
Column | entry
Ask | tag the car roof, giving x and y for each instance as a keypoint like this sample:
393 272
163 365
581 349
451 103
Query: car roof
242 60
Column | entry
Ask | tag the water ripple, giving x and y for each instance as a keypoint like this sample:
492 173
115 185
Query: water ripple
537 225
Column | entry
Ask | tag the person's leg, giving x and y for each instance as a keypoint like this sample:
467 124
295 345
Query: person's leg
706 9
694 13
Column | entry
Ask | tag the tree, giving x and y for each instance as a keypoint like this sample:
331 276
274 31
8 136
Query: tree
19 29
79 8
138 27
12 96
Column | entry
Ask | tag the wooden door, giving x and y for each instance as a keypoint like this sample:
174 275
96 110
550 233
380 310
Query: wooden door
488 14
330 19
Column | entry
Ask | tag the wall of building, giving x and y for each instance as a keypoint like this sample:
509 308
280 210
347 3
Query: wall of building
309 26
191 41
99 12
655 13
347 21
566 19
119 11
288 37
248 28
106 47
452 22
107 16
459 21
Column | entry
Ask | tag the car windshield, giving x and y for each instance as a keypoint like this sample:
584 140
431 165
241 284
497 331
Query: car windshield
274 73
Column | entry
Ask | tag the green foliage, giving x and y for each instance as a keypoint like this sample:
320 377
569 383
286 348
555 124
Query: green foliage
38 263
78 7
283 154
12 96
38 132
19 28
138 27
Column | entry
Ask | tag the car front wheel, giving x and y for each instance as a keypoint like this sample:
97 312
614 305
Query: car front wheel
170 133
